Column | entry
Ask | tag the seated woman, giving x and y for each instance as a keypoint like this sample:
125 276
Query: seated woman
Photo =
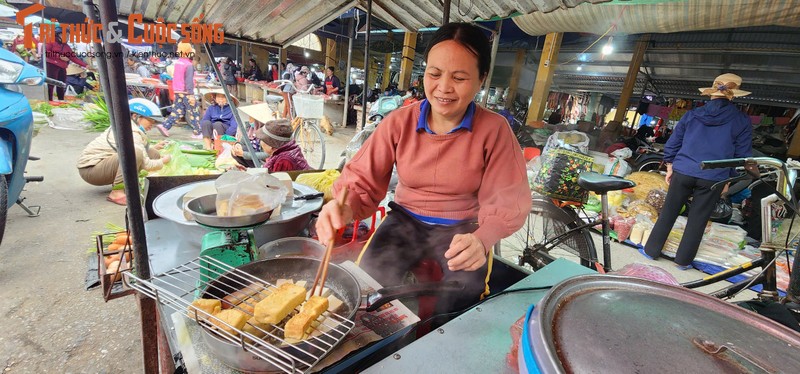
99 162
285 154
76 78
218 117
259 114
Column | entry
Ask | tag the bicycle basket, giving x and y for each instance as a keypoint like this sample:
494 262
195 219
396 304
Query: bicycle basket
308 106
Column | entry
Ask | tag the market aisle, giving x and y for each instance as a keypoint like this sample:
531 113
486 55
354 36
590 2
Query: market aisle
51 324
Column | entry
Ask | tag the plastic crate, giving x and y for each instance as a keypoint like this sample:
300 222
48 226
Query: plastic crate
308 106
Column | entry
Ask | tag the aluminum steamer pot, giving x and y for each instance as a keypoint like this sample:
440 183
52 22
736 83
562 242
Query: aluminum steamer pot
612 324
341 283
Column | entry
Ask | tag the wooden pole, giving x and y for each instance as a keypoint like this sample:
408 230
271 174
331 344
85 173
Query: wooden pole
519 62
407 62
544 76
630 78
330 52
387 70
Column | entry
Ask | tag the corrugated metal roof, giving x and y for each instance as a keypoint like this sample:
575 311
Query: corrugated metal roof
666 17
282 22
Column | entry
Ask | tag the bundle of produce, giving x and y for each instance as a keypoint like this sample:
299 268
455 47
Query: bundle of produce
97 115
721 244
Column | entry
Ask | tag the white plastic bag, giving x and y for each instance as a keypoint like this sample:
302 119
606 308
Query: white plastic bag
225 159
617 166
241 194
575 141
623 153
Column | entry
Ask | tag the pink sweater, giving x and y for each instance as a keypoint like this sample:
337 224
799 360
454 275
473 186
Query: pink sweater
464 175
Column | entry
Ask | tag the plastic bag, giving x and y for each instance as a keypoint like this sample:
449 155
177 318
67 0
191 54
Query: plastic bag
241 194
622 153
649 272
70 94
656 199
225 159
512 359
558 175
178 163
322 182
571 140
617 166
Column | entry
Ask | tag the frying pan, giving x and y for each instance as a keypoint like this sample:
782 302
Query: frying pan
342 284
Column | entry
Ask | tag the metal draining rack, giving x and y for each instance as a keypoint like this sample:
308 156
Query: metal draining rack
177 288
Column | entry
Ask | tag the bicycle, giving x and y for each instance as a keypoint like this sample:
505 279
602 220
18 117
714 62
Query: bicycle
307 132
769 250
571 236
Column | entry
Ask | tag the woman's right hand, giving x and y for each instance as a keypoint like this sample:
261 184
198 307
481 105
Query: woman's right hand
668 177
166 159
331 218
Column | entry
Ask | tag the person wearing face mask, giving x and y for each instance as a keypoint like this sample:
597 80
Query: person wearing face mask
99 165
59 55
218 117
276 141
462 180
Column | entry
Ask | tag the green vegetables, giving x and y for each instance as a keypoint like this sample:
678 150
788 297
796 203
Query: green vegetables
97 114
44 108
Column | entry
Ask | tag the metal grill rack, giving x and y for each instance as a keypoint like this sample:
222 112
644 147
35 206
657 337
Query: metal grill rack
177 288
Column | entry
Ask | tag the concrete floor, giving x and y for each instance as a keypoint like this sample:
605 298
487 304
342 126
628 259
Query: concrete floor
51 324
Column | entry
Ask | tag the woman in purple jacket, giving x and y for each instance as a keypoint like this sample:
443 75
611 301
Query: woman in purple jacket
218 117
717 130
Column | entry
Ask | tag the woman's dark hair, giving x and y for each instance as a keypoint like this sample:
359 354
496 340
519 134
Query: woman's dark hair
253 61
331 69
469 36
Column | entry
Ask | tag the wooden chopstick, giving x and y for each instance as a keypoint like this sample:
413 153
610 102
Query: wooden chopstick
322 271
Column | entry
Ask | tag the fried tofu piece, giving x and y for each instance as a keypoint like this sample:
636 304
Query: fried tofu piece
232 317
280 303
296 326
210 306
334 303
256 328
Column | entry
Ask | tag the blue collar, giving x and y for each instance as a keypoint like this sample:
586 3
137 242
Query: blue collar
425 108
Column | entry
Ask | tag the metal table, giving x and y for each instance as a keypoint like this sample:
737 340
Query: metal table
478 340
293 214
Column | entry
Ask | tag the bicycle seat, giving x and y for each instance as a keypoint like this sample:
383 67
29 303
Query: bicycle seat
273 99
600 184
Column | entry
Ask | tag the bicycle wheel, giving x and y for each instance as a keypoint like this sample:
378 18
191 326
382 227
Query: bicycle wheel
309 137
545 222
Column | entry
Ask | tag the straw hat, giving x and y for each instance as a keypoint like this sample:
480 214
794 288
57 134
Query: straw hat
725 85
73 69
259 112
208 96
275 133
185 49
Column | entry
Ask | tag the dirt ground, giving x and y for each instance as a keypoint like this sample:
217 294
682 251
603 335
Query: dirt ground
51 324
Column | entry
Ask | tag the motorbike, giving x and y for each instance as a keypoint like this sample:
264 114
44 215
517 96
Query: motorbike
378 111
16 131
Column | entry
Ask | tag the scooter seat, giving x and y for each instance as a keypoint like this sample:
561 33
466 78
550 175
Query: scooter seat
273 99
600 184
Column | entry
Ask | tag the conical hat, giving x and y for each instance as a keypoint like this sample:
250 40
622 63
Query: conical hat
73 69
259 112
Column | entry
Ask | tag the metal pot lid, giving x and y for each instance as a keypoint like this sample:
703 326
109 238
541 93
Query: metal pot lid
616 324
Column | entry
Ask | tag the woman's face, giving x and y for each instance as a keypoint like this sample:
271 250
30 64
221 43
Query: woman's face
266 148
221 100
146 123
451 79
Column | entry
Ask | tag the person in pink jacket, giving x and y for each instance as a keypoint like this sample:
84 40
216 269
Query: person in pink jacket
462 184
185 104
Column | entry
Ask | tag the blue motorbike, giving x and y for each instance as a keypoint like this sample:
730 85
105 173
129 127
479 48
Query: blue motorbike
16 130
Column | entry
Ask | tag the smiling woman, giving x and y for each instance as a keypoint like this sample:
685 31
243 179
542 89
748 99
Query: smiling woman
461 186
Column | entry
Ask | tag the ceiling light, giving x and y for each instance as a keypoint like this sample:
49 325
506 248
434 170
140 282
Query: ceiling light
580 67
609 47
307 55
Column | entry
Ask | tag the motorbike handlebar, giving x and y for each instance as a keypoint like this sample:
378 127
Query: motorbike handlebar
54 82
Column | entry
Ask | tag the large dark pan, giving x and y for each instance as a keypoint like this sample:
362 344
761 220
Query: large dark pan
341 283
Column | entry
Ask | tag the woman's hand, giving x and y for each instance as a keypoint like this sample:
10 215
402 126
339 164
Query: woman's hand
331 218
668 178
237 150
166 159
466 252
160 145
63 58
